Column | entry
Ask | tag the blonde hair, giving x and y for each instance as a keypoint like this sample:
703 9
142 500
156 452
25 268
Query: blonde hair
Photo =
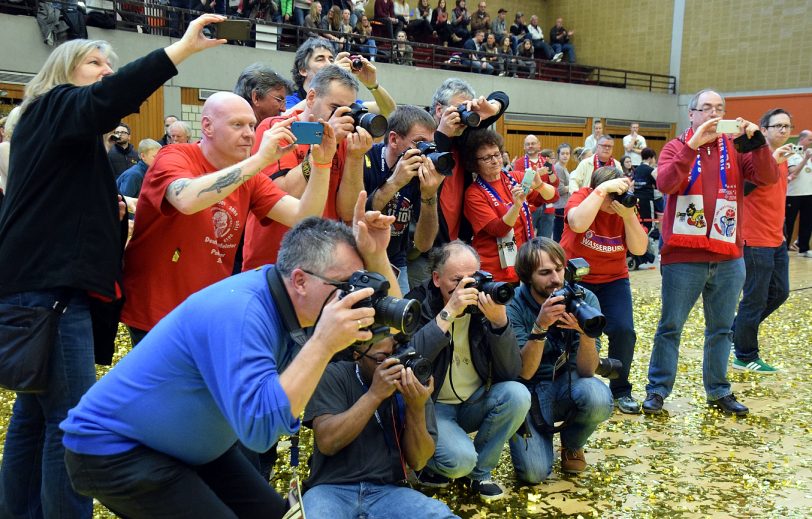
147 145
60 65
11 121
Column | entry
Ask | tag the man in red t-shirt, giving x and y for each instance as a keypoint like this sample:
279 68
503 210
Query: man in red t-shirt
331 92
193 205
766 261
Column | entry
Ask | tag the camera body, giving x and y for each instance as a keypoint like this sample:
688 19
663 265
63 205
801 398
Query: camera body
468 117
421 367
443 160
375 124
114 138
390 312
591 321
626 199
500 291
797 148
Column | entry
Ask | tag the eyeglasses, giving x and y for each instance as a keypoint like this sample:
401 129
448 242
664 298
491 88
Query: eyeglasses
707 109
490 158
378 357
119 132
327 281
278 99
780 127
606 146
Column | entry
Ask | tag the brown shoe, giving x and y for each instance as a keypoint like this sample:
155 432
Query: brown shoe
572 461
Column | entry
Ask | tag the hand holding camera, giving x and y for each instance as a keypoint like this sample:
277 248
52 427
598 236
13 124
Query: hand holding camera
430 178
386 379
342 122
407 166
782 153
450 122
465 295
358 143
359 66
495 313
415 391
342 324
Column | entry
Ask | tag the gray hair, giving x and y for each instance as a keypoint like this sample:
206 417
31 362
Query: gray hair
604 137
451 87
187 128
405 117
259 79
147 145
311 245
438 256
325 77
303 54
694 102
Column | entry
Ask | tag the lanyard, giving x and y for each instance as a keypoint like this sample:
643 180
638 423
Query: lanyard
398 401
385 173
696 170
528 226
598 164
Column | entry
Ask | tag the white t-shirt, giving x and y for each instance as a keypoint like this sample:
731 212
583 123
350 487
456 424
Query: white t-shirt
581 176
461 372
627 143
802 183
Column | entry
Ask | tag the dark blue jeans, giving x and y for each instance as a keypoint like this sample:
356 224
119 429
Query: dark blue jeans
33 479
615 298
766 287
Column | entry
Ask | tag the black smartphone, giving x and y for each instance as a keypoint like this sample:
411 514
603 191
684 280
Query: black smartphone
235 30
307 132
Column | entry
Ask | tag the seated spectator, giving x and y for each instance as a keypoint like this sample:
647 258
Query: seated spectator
499 209
560 40
525 59
358 10
402 12
129 183
460 23
490 51
385 14
439 22
402 52
475 362
180 132
481 19
346 26
419 27
364 42
500 29
313 20
543 49
506 55
519 29
301 8
332 22
358 408
475 58
563 391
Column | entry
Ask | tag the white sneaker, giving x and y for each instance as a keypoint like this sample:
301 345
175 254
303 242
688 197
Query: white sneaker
807 254
558 57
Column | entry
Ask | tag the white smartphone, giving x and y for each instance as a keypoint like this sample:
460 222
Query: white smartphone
527 180
728 126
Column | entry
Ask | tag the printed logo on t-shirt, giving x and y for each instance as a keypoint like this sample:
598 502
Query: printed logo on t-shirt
225 226
600 243
401 208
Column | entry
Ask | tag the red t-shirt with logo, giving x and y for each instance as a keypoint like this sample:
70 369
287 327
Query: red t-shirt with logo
762 221
173 255
603 245
263 236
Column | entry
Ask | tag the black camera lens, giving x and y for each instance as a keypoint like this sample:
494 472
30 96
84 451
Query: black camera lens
421 367
500 292
357 63
443 160
591 321
468 117
375 124
609 368
402 314
627 199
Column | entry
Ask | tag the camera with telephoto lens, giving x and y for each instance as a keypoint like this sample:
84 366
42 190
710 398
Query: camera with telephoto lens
421 367
468 117
390 312
500 291
375 124
590 320
443 160
609 368
627 199
356 63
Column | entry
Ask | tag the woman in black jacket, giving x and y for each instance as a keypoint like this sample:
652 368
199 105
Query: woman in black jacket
59 241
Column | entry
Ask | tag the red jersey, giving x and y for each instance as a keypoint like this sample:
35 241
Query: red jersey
763 215
603 245
485 214
263 236
173 255
451 197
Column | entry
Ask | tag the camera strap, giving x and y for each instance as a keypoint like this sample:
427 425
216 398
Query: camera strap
496 199
386 171
285 307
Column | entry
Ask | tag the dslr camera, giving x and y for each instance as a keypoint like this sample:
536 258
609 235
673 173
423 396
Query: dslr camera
468 117
500 291
627 199
375 124
356 63
443 160
591 321
421 367
390 312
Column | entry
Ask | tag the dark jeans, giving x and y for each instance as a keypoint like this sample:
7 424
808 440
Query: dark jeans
802 205
145 483
646 208
33 479
558 224
543 222
615 298
766 287
136 335
543 50
565 48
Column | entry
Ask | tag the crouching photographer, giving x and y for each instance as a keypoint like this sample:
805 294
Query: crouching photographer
465 334
601 225
556 326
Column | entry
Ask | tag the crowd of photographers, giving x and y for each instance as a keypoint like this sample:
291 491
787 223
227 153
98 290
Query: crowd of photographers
417 338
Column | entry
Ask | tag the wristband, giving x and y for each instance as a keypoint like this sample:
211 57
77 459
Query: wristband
537 336
325 165
373 88
429 201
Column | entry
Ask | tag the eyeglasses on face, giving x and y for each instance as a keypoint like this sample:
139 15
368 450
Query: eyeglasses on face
328 281
781 127
119 132
708 109
490 158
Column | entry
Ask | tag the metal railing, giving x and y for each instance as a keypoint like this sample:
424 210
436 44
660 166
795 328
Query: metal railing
155 17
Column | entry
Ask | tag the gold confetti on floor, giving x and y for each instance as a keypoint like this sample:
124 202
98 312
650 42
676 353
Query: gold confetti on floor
694 462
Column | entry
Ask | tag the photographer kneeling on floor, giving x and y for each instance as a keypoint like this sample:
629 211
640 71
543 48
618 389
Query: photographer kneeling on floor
558 361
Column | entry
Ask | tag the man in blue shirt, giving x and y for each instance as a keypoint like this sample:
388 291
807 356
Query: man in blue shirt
157 436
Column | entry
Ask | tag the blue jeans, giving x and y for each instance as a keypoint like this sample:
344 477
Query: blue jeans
494 415
766 287
719 284
299 16
615 298
565 47
543 222
371 501
403 279
533 455
33 479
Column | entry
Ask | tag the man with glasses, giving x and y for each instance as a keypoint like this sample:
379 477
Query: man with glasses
264 89
371 419
766 283
122 155
158 436
582 175
704 176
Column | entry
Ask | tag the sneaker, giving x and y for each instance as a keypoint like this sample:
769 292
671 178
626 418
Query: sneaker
573 461
558 57
756 366
729 405
628 405
488 489
807 254
431 479
653 404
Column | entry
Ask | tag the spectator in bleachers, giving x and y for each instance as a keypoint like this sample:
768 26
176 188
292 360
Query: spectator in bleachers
560 40
385 14
332 22
491 53
500 29
163 141
313 19
439 22
264 89
525 60
476 58
180 132
402 52
543 49
519 29
481 19
358 10
460 23
507 55
301 8
402 13
419 27
346 25
129 183
364 42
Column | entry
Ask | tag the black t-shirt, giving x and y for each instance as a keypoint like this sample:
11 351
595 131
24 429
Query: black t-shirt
644 183
370 457
405 205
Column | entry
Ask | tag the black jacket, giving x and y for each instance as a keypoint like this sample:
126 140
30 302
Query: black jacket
122 159
495 354
59 223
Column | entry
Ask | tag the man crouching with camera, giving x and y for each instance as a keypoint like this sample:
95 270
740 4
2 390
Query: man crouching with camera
559 359
466 335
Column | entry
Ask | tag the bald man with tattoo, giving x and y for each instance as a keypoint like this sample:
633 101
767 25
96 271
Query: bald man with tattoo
194 203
